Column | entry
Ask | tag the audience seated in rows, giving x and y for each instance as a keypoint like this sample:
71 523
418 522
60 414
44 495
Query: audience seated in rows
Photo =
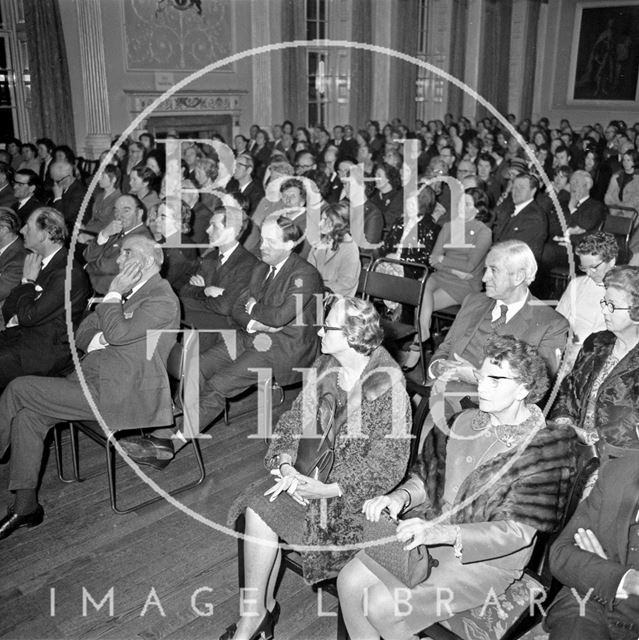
35 339
25 186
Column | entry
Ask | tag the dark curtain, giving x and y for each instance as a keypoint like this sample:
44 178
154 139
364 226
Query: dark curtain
51 106
530 57
361 64
458 56
495 56
294 63
403 75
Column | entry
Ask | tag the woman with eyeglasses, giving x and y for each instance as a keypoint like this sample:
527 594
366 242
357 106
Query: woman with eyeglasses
356 383
505 477
600 397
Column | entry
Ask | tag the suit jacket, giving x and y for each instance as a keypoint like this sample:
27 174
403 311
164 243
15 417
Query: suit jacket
41 336
233 276
70 203
27 208
333 189
529 225
131 388
608 512
535 323
7 197
617 400
254 192
11 262
589 215
101 259
288 302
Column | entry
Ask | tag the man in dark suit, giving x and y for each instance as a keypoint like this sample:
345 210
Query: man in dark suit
68 192
596 557
12 253
275 320
583 214
243 182
506 308
7 197
522 219
102 253
129 387
25 186
224 272
35 339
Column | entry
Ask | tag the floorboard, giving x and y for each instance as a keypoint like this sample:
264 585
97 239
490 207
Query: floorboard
158 556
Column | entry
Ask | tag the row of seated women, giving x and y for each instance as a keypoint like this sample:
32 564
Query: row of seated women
507 473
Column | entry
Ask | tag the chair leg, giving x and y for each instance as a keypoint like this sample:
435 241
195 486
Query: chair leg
75 455
57 445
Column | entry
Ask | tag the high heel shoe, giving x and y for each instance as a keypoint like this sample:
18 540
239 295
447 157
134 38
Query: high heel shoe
263 632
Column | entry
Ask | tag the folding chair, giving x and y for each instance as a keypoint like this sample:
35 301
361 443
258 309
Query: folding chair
176 367
400 289
621 226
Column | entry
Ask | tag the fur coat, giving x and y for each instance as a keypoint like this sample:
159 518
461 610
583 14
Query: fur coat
533 479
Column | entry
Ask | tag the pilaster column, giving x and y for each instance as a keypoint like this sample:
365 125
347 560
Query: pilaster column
94 81
516 75
261 64
474 29
382 35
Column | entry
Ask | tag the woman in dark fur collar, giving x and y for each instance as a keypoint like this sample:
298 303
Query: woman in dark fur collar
506 478
362 388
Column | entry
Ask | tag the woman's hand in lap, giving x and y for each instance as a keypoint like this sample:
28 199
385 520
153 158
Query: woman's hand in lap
416 531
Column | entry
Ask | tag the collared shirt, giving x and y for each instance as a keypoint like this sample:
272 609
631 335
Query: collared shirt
579 203
513 308
519 207
24 201
224 256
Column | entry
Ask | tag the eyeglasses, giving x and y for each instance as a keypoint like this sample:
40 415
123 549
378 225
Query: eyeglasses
590 269
327 327
606 305
492 380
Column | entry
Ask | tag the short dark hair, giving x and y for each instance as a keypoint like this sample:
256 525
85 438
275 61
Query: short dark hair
47 142
33 179
392 174
290 231
29 145
9 218
487 157
523 359
293 183
600 244
561 148
113 171
6 170
533 182
144 173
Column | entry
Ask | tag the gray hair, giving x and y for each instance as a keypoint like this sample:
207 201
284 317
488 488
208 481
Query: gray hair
518 255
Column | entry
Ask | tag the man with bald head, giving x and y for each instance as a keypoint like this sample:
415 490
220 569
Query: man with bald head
102 253
129 387
68 192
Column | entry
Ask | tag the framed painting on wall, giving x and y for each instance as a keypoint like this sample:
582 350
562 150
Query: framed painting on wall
604 65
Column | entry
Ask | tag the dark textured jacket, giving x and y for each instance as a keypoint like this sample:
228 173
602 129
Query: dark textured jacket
617 403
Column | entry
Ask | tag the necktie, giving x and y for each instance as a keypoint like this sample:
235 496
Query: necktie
269 277
501 321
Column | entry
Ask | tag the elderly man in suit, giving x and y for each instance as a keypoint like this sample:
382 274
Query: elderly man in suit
507 308
12 253
25 185
35 338
68 192
522 219
596 557
244 183
129 387
275 321
223 273
102 253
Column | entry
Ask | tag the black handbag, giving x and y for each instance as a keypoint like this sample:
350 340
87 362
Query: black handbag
411 567
316 459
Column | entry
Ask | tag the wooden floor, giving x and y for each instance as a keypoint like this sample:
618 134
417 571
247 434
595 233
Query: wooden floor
158 555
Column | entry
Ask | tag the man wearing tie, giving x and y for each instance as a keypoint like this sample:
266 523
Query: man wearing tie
101 253
25 185
224 272
68 192
126 379
276 329
507 308
596 557
35 338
